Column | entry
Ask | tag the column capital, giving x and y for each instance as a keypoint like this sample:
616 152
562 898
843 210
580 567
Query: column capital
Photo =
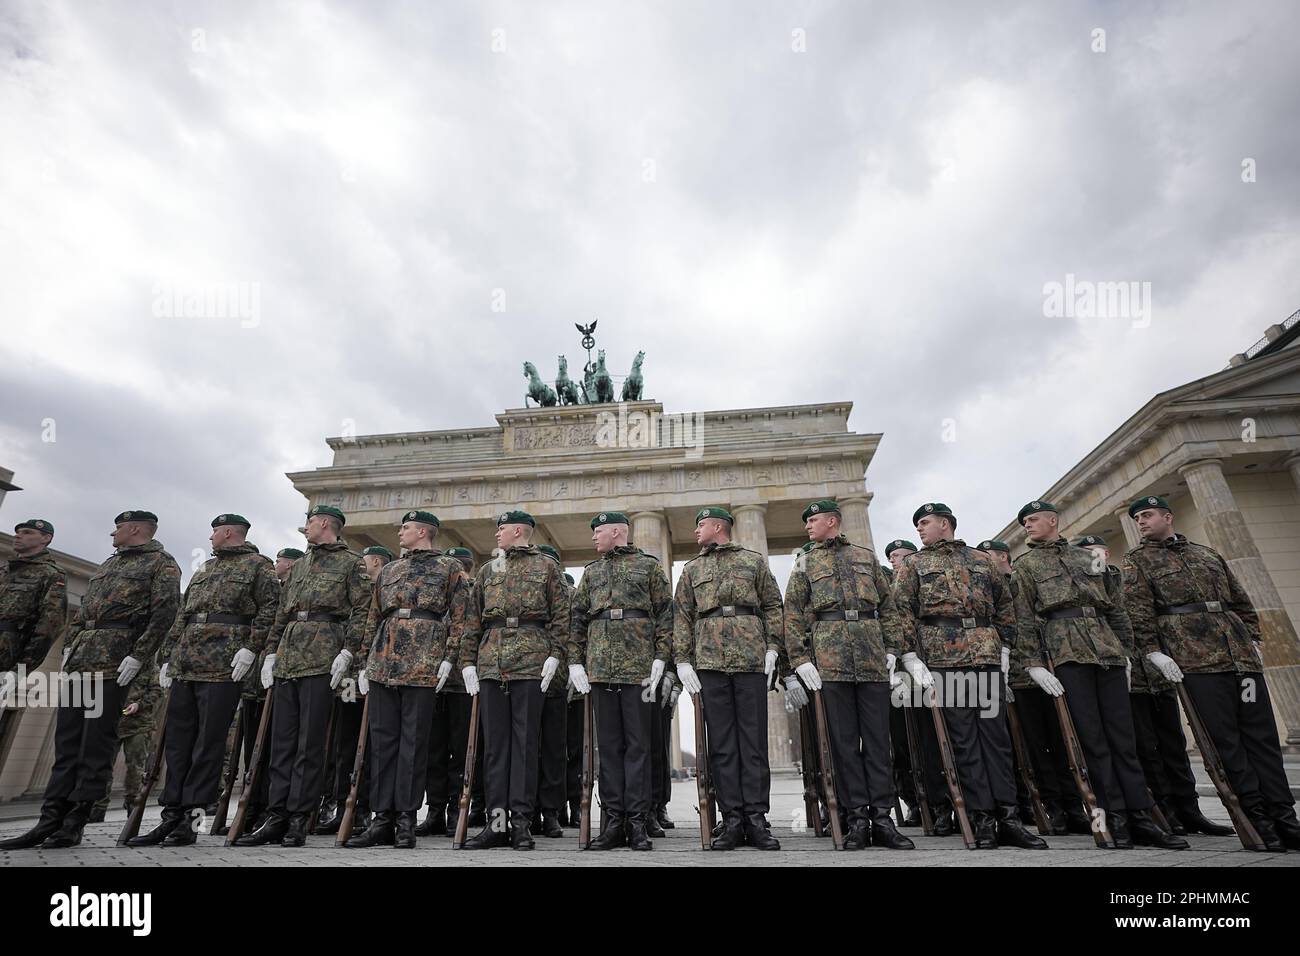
636 515
742 509
864 498
1215 463
1292 461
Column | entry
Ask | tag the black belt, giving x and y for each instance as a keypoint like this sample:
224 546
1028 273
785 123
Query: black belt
514 622
865 614
620 614
203 617
404 613
1068 612
1214 607
316 616
93 625
731 610
966 622
9 626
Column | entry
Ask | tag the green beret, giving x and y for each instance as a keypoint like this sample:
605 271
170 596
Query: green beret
608 517
713 511
516 517
380 550
219 520
464 554
993 545
1090 539
36 524
424 517
1150 501
568 577
899 543
934 508
820 506
136 516
328 510
291 553
550 552
1033 508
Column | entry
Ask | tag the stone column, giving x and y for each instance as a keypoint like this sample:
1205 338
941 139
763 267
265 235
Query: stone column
854 521
648 529
1228 534
1132 537
751 527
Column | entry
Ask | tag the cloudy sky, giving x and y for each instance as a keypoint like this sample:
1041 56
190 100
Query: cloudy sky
779 203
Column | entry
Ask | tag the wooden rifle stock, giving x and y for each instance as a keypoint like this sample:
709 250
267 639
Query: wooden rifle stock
588 771
808 764
467 778
1246 832
152 770
702 783
918 771
329 766
358 767
1026 768
253 770
219 827
828 771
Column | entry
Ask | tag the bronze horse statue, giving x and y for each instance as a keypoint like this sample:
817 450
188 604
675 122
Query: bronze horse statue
565 387
538 390
634 383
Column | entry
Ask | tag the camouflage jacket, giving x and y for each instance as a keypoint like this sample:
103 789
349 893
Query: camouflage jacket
558 687
1017 677
838 576
1057 576
455 682
140 586
329 579
236 581
407 651
621 652
1161 574
34 599
522 585
720 576
948 579
146 692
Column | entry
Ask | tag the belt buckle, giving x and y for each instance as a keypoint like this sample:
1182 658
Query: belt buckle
512 622
1215 606
728 610
850 615
302 615
404 613
616 614
968 622
201 617
1089 611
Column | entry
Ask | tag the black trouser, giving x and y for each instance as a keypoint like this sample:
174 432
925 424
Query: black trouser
448 743
400 718
1162 748
1037 712
661 756
903 780
980 742
550 762
347 736
252 710
198 719
298 722
85 745
857 720
1098 699
512 724
573 748
1245 734
623 722
735 717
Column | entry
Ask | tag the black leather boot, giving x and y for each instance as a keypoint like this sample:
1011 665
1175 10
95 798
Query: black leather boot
1146 832
535 824
487 839
477 815
913 818
613 833
186 832
943 824
52 814
1172 819
1268 833
663 819
1117 823
295 834
858 834
438 821
453 816
733 832
172 818
1193 821
883 833
520 838
575 813
1056 821
272 831
551 825
361 821
758 835
1013 832
637 837
1288 828
652 827
404 838
69 832
380 832
1076 821
331 816
97 815
985 829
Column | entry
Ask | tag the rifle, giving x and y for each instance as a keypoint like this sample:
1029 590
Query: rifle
467 778
828 771
949 763
1079 767
253 769
219 827
329 766
588 773
358 767
918 772
151 771
808 764
1157 814
702 783
1026 769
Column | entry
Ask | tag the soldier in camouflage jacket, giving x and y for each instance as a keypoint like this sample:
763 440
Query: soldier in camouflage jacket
33 598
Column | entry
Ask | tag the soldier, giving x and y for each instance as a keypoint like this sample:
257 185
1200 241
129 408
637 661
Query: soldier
515 631
128 608
413 633
843 638
135 731
316 635
227 610
570 815
895 552
621 627
958 610
33 601
1158 725
549 794
1068 620
728 621
1194 621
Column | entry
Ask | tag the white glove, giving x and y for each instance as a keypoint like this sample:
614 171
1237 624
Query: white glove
127 670
690 680
666 690
578 678
1046 680
891 667
795 695
164 676
241 665
549 667
808 671
363 683
268 665
339 667
1165 664
1128 673
470 676
900 694
916 667
769 663
656 672
444 671
1006 661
